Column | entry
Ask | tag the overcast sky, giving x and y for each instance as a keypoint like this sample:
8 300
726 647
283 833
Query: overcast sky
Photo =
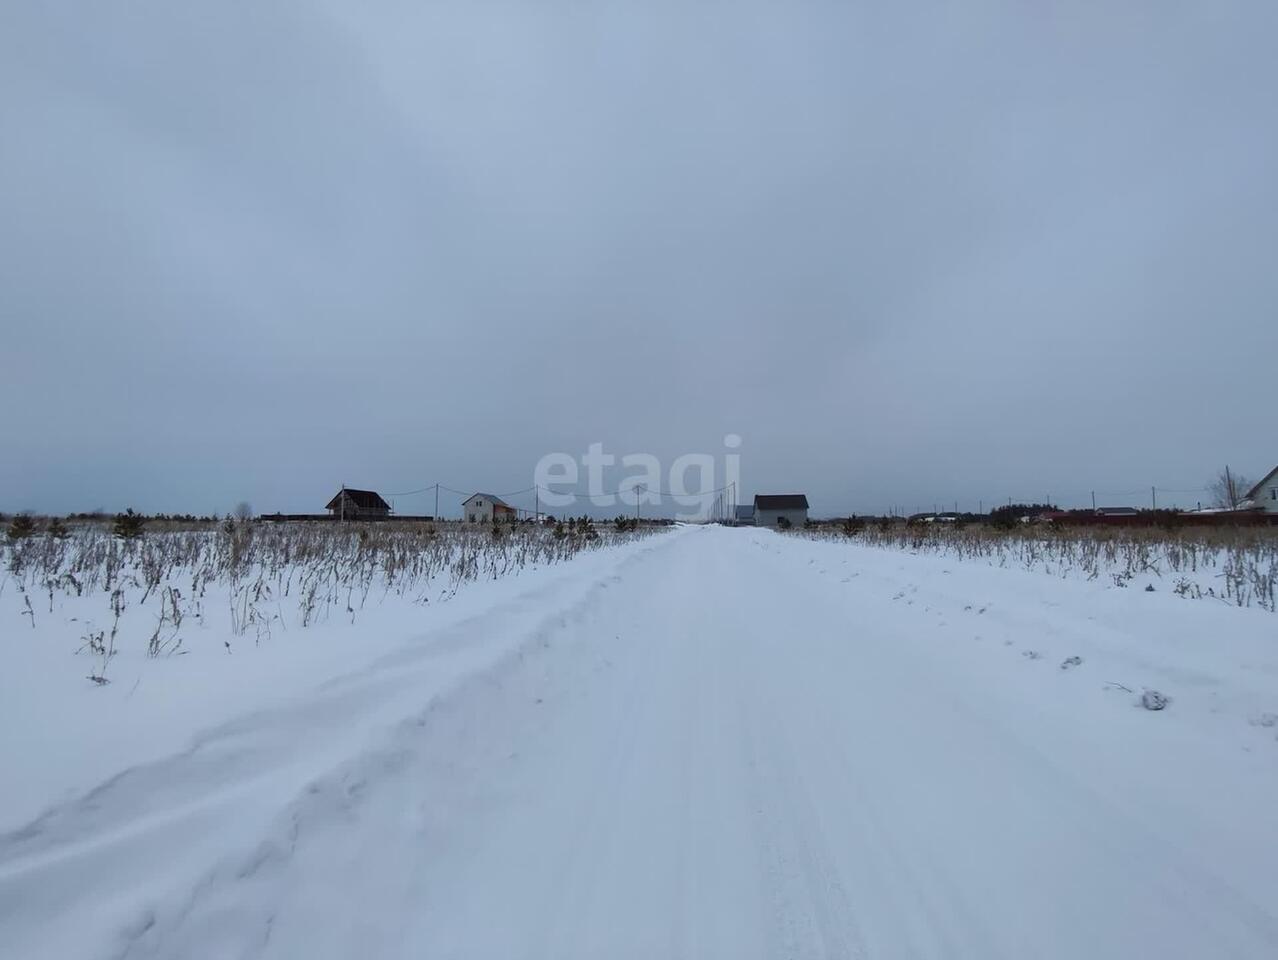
255 250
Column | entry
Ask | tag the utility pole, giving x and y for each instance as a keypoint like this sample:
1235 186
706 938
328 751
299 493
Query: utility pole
343 504
536 504
436 503
1153 497
638 500
1093 501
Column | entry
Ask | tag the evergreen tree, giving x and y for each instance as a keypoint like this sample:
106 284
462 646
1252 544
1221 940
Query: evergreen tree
21 527
129 524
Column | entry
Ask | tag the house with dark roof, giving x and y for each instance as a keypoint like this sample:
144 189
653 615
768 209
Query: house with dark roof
780 509
358 505
487 508
1264 495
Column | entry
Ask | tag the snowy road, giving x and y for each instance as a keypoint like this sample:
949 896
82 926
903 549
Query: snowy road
733 745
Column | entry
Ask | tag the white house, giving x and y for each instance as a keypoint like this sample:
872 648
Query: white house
486 508
771 509
1264 495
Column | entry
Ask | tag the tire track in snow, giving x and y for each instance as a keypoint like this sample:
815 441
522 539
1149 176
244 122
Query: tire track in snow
264 775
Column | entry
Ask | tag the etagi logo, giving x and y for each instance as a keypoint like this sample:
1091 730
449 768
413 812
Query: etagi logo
692 483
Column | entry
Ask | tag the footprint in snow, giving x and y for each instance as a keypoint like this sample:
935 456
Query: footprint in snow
1031 655
1069 662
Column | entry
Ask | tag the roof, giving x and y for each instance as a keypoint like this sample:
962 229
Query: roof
364 499
498 501
1254 492
780 501
1118 511
745 511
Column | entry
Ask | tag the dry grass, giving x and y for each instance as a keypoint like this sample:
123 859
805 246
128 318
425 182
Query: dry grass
296 573
1237 565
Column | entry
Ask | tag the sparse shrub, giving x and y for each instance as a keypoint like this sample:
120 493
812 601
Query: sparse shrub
57 529
128 525
582 528
852 526
21 527
783 523
1005 521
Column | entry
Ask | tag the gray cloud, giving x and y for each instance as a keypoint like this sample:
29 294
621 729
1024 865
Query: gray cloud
253 251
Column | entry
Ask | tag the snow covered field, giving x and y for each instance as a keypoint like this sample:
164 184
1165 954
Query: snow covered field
708 743
197 626
1233 565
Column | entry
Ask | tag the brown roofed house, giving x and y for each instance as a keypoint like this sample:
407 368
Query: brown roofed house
358 505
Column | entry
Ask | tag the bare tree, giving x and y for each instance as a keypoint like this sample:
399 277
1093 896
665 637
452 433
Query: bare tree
1229 489
243 511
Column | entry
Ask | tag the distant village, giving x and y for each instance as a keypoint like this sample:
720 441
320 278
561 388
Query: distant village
1255 505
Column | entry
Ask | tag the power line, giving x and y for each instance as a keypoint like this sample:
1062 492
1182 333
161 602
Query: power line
572 493
409 493
644 487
